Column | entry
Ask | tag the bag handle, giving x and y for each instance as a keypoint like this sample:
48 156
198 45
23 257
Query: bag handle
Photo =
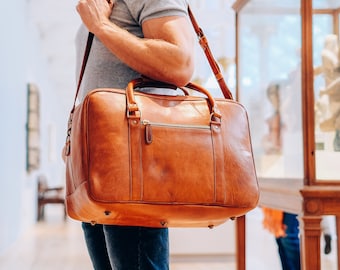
132 105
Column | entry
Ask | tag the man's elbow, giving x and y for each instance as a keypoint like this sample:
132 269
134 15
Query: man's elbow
183 74
178 73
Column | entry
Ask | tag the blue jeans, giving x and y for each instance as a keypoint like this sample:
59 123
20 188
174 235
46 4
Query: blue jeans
289 246
127 248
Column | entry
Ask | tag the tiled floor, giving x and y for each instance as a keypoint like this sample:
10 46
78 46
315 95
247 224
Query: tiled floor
55 245
58 245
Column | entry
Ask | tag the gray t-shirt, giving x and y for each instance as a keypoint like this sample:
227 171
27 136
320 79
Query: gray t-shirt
103 69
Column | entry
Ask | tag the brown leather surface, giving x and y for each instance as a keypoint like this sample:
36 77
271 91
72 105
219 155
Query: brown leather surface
164 161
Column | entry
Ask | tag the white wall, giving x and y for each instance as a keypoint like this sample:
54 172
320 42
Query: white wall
13 110
21 63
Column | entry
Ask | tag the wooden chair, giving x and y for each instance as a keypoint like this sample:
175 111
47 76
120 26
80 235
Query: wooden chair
48 195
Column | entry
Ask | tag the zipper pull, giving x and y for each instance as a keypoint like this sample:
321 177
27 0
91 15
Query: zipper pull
148 131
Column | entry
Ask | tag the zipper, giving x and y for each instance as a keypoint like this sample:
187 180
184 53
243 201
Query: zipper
147 122
148 128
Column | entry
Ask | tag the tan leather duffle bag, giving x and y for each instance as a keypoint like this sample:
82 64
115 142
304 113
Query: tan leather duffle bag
152 160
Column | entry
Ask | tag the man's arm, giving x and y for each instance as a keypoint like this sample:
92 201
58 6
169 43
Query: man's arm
166 53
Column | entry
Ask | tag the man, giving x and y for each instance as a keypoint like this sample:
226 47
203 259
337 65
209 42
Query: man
133 37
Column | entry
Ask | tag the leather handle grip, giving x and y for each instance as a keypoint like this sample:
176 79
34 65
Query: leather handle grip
132 105
215 112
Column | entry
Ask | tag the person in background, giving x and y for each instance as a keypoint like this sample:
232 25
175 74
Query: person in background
285 227
132 38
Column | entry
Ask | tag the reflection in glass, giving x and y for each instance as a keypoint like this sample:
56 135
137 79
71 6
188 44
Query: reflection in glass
269 81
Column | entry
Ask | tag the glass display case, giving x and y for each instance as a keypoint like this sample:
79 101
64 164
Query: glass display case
270 74
288 78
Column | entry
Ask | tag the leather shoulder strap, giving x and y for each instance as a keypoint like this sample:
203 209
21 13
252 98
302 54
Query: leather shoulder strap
83 65
203 41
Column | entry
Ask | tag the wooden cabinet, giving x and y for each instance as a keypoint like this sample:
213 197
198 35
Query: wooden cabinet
288 78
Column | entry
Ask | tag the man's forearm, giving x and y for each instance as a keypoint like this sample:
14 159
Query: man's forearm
156 58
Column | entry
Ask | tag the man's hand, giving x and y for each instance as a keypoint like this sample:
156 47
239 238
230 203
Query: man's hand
94 12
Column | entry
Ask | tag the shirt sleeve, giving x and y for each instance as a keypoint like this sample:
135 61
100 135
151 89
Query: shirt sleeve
143 10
